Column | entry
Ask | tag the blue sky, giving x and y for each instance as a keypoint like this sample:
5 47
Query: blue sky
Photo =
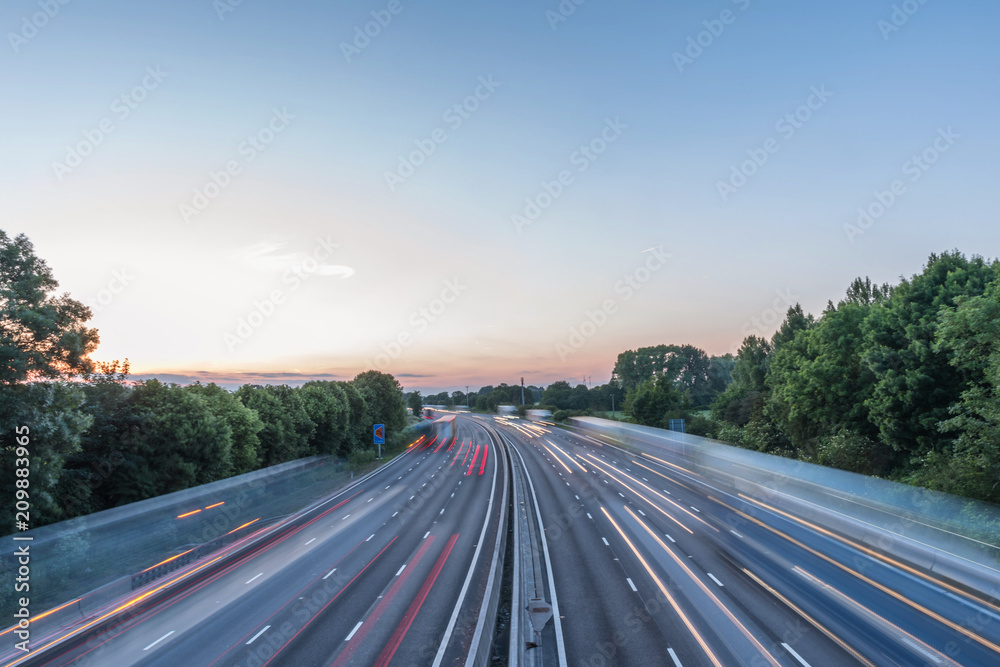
337 263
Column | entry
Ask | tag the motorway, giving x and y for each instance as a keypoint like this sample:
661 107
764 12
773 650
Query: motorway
644 562
391 571
654 565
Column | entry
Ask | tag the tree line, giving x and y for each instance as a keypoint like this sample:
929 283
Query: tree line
897 381
99 440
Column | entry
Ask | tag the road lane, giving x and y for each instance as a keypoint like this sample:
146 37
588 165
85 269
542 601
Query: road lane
688 625
299 600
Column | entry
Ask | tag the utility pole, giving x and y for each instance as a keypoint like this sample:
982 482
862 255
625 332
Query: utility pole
467 396
522 391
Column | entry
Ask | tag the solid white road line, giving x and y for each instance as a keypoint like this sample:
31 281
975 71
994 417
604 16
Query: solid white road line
262 631
356 628
158 640
795 655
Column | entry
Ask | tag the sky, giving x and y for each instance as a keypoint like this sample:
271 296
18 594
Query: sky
467 193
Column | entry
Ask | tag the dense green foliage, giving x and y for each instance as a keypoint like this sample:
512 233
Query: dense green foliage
106 441
894 381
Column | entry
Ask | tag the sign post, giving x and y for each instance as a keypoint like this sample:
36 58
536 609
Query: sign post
379 430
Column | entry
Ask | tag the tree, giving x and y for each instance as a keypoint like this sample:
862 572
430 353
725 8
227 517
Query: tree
864 293
384 397
655 402
415 403
288 428
244 425
51 412
819 382
173 442
558 395
720 374
84 485
916 385
750 369
795 321
41 336
359 423
601 397
326 405
969 334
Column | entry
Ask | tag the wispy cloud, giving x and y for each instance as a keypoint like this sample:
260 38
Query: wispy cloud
277 257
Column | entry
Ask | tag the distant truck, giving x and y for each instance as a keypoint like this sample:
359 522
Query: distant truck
506 410
539 415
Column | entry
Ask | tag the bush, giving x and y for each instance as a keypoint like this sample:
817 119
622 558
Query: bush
560 415
851 451
702 426
361 457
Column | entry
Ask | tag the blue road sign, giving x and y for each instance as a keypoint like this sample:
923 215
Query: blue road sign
379 434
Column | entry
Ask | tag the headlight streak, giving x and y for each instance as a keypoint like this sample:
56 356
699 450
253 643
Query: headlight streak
669 479
563 452
816 624
559 460
718 603
666 593
661 496
871 552
876 619
885 589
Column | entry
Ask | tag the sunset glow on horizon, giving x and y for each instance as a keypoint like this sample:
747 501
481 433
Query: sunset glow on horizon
480 193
